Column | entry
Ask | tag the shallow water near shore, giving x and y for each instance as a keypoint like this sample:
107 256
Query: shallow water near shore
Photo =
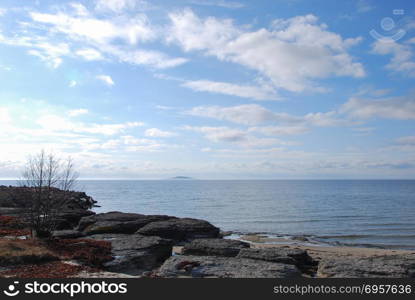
374 213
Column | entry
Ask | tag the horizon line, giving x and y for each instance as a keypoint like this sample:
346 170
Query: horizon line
220 179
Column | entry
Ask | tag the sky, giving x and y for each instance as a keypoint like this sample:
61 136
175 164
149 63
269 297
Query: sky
211 89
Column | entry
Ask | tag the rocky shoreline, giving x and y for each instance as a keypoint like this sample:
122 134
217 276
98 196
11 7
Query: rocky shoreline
171 247
117 244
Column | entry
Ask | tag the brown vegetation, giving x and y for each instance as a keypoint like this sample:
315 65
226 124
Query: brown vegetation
90 252
14 232
55 269
33 258
16 252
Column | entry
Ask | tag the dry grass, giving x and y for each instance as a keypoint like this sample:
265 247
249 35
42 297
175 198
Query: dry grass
55 269
18 252
21 247
14 252
90 252
14 232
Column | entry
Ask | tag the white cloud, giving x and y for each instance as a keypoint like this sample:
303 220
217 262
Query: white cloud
388 165
51 53
406 140
245 91
106 79
72 83
292 55
325 119
89 54
220 134
110 150
109 129
279 130
3 11
5 68
363 131
56 123
164 107
138 145
89 143
399 108
364 6
78 112
252 114
247 114
100 31
116 37
118 6
402 55
155 132
53 62
350 113
235 136
79 9
193 33
128 143
154 59
369 90
220 3
4 115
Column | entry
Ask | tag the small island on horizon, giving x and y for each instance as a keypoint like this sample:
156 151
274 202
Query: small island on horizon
182 178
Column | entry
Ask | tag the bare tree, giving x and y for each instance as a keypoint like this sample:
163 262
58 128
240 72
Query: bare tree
49 181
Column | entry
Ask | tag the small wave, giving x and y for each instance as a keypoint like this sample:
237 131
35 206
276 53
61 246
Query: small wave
390 229
347 217
365 236
388 224
291 221
350 236
374 245
330 240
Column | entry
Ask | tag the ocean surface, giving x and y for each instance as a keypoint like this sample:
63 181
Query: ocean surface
377 213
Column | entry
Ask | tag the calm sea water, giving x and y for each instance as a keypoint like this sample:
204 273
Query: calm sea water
354 212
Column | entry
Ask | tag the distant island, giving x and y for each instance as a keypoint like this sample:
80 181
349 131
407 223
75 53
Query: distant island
182 178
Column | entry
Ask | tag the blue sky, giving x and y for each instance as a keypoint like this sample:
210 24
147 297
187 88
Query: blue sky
212 89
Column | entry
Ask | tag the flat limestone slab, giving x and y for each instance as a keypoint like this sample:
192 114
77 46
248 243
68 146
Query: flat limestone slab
225 267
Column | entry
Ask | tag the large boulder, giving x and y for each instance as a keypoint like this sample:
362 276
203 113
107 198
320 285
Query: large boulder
109 216
296 257
135 254
217 247
67 234
182 229
116 222
225 267
391 266
69 219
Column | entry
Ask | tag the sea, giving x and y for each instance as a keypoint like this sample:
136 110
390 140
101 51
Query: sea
370 213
